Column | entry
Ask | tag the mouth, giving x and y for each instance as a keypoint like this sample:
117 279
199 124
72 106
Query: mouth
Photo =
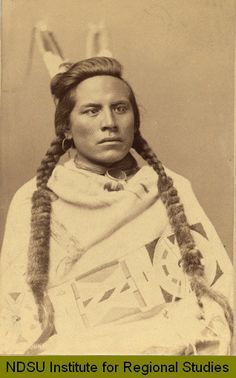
110 140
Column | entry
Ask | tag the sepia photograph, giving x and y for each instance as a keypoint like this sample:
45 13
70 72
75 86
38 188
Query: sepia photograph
117 177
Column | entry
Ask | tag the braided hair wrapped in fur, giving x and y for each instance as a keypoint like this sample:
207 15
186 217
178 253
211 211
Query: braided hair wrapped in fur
63 89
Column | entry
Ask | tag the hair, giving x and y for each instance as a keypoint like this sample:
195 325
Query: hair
63 89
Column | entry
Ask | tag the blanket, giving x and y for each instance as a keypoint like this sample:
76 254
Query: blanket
114 280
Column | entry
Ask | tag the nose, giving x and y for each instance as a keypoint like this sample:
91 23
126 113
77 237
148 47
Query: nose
108 120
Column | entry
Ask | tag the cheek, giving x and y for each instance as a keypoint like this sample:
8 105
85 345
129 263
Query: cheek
129 130
82 130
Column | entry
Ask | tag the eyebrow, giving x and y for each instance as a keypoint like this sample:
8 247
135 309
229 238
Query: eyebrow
127 102
90 104
97 105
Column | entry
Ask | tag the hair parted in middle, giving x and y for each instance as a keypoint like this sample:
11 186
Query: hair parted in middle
63 89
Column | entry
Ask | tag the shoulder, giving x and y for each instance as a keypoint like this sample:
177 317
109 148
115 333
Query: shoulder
186 194
23 195
17 227
180 182
26 190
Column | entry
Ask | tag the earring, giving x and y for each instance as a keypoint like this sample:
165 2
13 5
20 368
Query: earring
66 144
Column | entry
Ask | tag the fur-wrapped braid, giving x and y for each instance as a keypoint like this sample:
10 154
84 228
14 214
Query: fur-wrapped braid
49 162
191 257
39 246
62 86
40 232
169 195
200 288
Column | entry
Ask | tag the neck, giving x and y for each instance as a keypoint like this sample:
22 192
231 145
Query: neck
128 164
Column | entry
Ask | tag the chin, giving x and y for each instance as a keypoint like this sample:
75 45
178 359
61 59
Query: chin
111 159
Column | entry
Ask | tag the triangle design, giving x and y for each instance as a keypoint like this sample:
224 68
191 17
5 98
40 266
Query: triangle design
198 227
125 287
167 296
14 295
21 339
218 274
150 247
86 302
172 238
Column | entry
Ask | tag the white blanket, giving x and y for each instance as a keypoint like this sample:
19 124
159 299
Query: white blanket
114 278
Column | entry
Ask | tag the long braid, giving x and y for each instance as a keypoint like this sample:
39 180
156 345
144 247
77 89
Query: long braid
191 257
62 88
38 255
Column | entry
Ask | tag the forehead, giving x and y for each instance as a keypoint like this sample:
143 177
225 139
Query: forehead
99 89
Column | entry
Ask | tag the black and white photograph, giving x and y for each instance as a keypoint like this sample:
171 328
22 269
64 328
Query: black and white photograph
117 183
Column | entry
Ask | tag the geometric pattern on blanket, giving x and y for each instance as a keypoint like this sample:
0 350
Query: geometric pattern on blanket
18 309
125 287
172 279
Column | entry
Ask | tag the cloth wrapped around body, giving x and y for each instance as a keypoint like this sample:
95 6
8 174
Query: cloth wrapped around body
114 280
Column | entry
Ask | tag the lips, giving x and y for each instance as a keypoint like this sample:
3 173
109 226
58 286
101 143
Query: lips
110 139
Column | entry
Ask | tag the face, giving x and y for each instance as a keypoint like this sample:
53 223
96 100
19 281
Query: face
102 120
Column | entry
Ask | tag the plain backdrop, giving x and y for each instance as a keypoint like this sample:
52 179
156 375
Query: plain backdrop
179 57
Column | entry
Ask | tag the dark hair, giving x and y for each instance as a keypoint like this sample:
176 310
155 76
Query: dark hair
63 85
62 88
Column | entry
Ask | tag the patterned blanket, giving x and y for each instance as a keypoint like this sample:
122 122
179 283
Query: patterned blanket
115 283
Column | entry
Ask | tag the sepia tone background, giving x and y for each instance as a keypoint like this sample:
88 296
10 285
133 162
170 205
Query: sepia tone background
178 55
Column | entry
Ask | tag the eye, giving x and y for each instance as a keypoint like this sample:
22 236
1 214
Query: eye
91 112
121 108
